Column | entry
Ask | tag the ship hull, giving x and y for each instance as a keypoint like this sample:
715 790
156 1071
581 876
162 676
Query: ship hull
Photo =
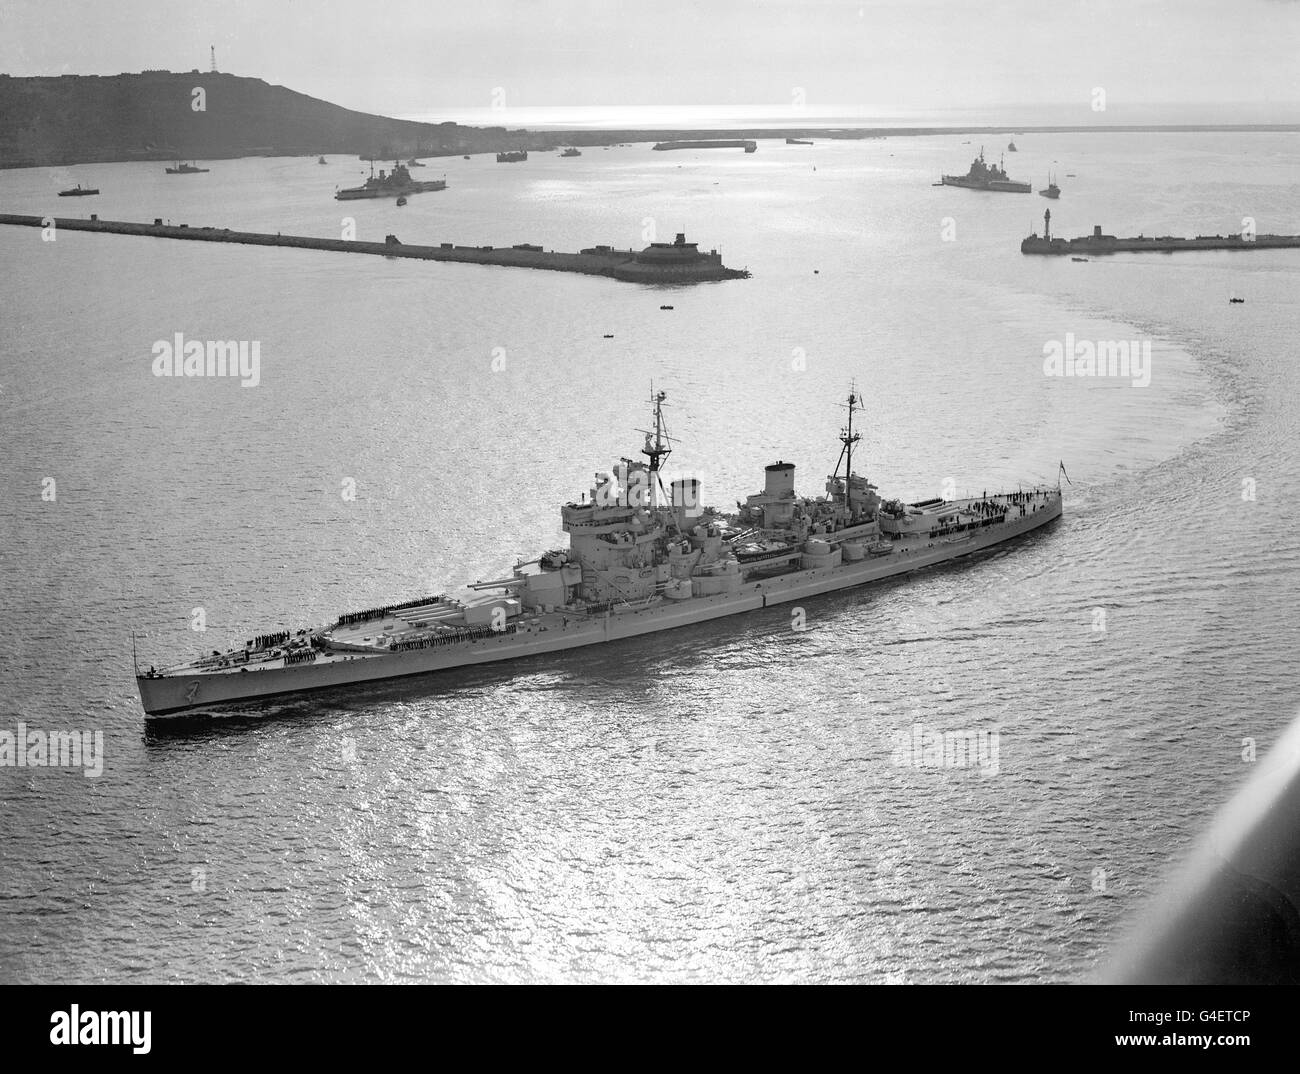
178 695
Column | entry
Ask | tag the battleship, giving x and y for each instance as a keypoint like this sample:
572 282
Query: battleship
396 183
984 176
187 169
641 558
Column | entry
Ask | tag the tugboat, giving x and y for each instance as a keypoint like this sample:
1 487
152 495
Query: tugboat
1053 191
642 558
571 152
986 177
186 169
512 157
78 191
388 185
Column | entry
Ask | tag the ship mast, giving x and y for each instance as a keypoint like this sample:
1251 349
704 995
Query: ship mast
848 438
657 448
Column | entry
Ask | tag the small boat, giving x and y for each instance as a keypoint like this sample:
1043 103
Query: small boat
401 200
665 307
322 161
797 141
78 191
1011 147
1078 259
1070 175
1236 301
467 156
413 163
571 152
608 335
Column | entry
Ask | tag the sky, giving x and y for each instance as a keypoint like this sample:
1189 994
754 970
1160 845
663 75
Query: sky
433 58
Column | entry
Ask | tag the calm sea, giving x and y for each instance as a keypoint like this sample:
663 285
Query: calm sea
721 802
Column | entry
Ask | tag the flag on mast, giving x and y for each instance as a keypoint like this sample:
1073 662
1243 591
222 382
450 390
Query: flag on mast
1062 471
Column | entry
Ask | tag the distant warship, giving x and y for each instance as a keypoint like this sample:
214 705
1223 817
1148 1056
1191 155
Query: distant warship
984 176
396 183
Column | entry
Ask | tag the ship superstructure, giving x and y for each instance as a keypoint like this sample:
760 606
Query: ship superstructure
642 557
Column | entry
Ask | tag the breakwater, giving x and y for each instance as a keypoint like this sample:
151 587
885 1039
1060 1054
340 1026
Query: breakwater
627 265
746 144
1097 243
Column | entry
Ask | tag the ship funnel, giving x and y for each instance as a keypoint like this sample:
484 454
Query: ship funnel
780 480
684 495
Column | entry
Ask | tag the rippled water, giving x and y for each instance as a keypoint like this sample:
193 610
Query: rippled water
719 802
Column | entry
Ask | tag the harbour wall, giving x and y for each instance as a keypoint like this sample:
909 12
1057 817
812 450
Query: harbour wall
615 264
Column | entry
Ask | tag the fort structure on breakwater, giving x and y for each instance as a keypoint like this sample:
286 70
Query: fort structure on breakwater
660 262
1097 243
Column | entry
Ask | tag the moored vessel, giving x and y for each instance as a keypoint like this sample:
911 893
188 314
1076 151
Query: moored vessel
187 169
512 156
642 558
79 191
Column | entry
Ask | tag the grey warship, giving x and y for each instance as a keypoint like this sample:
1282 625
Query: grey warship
983 176
395 184
642 558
